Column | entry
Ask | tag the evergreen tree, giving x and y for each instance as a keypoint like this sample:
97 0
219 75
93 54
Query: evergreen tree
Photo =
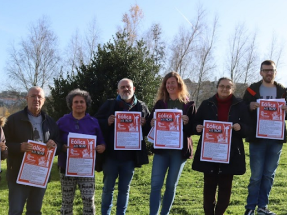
112 62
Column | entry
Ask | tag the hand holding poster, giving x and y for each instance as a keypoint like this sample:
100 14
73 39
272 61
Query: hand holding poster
270 119
216 141
128 133
36 165
81 155
168 129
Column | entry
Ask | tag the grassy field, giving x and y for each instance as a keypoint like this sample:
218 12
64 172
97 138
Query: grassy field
188 199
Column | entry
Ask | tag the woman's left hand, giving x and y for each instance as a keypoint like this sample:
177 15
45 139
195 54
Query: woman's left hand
185 119
236 127
100 148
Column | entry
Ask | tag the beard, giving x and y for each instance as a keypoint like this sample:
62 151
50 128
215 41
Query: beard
126 96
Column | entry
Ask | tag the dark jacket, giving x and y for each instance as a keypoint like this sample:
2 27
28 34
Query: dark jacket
19 129
4 153
140 157
251 94
238 113
189 110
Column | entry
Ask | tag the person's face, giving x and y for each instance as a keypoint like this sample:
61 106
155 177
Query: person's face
79 105
35 100
268 73
224 89
172 86
126 90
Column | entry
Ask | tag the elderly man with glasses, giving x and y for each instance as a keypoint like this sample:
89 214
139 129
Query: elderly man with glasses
28 124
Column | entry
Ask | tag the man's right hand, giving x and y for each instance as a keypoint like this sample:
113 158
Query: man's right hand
26 147
253 105
111 119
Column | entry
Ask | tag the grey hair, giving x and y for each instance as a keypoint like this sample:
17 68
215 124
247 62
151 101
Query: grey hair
78 92
125 79
35 88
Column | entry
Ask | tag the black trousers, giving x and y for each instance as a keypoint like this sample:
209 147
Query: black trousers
224 183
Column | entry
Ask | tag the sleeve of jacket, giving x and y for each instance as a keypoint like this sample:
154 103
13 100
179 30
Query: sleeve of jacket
199 117
55 136
9 130
189 128
245 122
103 114
146 127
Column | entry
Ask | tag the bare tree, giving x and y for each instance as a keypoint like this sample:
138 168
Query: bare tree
237 46
74 54
276 51
184 44
155 44
132 22
250 60
80 50
35 60
92 36
204 61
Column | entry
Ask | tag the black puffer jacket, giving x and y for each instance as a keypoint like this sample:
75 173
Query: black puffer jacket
238 113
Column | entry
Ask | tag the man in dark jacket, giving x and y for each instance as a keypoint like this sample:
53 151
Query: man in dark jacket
264 153
120 163
29 124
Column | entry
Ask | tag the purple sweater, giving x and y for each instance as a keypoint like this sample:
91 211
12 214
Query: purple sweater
86 125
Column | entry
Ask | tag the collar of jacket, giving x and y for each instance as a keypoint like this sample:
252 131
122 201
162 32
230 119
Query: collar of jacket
25 114
253 89
234 100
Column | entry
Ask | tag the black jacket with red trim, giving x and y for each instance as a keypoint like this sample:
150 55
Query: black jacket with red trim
251 94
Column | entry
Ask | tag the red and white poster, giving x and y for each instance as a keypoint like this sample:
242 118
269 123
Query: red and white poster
150 136
168 129
216 141
36 165
81 155
270 119
128 132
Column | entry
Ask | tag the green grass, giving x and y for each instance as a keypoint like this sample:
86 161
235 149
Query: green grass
188 200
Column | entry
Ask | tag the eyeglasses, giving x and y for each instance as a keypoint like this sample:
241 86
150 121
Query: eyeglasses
228 87
268 70
36 97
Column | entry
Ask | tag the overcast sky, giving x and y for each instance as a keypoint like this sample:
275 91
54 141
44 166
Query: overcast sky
266 17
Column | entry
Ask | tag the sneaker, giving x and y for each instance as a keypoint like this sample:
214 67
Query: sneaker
249 212
264 211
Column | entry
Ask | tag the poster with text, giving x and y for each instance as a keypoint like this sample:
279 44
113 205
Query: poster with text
270 119
216 141
36 165
150 136
168 128
128 132
81 155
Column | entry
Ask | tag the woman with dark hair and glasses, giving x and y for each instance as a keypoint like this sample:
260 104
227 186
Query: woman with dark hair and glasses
78 121
223 106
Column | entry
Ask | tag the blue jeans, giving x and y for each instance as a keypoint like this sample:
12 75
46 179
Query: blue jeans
172 161
264 160
113 169
19 194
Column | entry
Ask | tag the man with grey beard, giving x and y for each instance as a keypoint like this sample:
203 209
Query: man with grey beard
120 163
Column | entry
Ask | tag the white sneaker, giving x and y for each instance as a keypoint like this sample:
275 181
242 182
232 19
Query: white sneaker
264 211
